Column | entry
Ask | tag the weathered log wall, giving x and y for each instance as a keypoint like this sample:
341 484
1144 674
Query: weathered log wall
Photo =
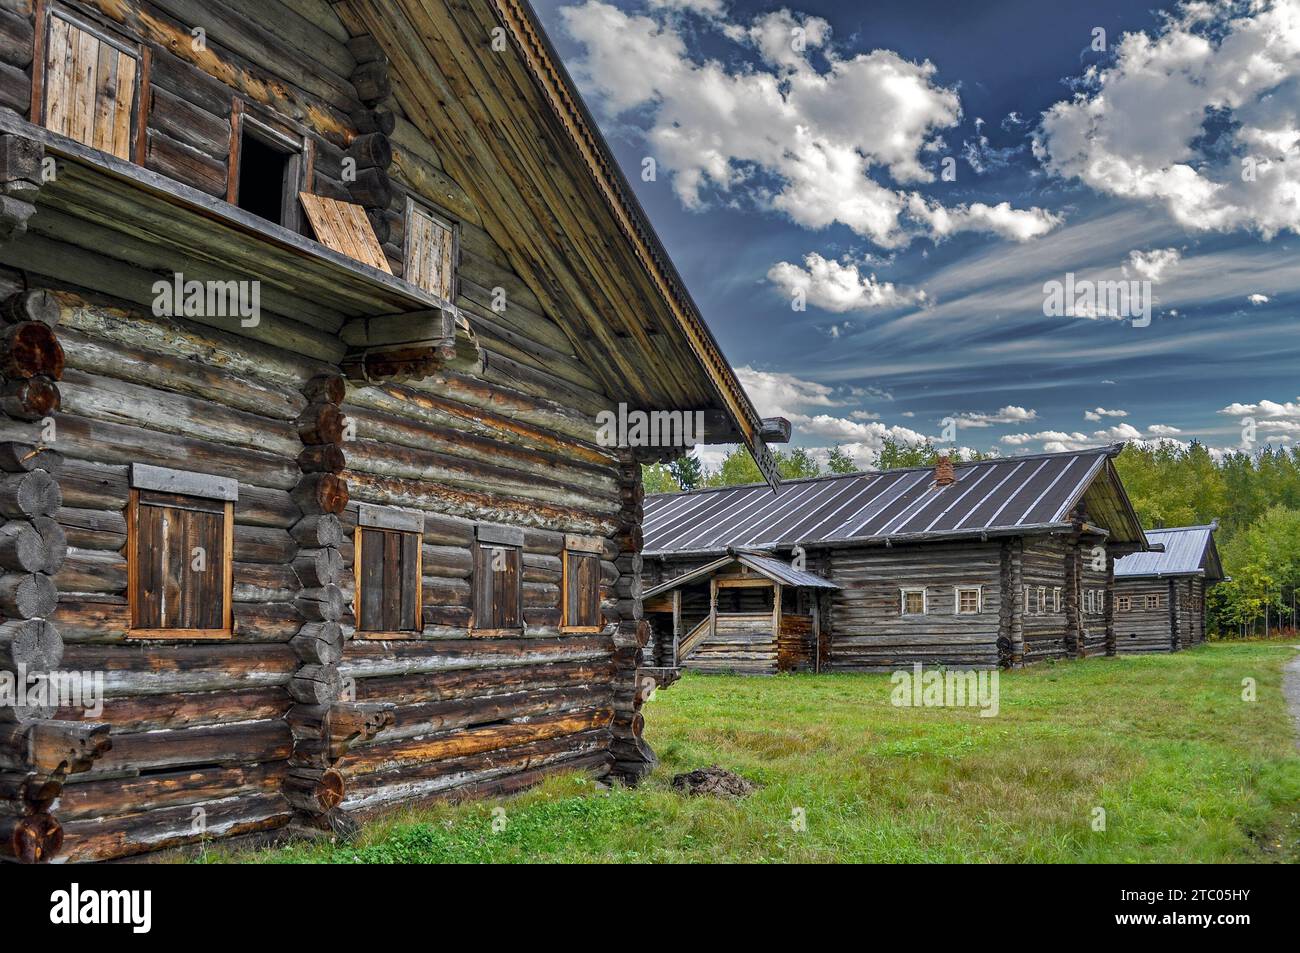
1045 574
868 631
288 718
1178 621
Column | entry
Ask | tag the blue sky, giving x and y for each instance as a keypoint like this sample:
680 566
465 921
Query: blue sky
799 155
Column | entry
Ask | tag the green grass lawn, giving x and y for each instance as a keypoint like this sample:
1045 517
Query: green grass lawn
1185 770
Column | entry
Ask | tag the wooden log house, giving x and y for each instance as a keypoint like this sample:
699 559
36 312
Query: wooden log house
1160 595
974 565
308 309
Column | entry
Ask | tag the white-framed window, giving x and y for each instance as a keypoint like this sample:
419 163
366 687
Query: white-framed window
913 601
968 600
1101 602
1124 603
1042 600
1056 598
1087 602
1153 600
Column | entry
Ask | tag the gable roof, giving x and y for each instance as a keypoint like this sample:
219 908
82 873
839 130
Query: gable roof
769 567
513 132
1189 551
1005 495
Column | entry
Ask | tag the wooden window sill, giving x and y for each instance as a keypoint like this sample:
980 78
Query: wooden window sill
388 636
496 633
565 629
173 634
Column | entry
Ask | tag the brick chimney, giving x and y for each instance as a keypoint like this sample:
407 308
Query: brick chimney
943 474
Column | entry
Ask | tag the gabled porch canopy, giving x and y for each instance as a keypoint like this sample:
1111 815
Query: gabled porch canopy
768 567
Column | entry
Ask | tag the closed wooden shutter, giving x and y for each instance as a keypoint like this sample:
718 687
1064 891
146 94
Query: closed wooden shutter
90 88
180 568
388 580
344 227
430 252
582 590
498 586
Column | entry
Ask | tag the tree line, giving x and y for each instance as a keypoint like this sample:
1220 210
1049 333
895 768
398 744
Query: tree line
1254 496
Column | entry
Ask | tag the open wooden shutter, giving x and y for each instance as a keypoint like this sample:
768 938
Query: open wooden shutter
430 252
582 590
388 581
90 88
497 591
344 227
174 585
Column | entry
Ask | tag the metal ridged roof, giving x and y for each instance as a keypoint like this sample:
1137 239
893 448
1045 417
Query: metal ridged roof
989 494
1189 550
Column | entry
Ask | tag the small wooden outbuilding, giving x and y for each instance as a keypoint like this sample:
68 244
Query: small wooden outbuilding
995 562
1160 595
744 612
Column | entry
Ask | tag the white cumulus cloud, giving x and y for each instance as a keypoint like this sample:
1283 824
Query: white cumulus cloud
1151 265
1099 412
1201 117
1010 414
839 287
823 144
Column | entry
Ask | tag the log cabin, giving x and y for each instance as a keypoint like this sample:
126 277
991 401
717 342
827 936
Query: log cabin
975 565
307 310
1160 595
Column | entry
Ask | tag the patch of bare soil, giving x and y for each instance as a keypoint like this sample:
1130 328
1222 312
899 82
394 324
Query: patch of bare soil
713 780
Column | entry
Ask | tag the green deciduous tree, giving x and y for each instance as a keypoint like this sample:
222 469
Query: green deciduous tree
657 478
840 462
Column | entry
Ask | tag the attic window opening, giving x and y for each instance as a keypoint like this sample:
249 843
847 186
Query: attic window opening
269 175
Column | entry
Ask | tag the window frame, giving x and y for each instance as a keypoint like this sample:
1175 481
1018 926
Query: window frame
45 15
387 519
1123 603
903 593
586 548
416 207
488 537
1057 601
1152 601
956 599
199 486
277 134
